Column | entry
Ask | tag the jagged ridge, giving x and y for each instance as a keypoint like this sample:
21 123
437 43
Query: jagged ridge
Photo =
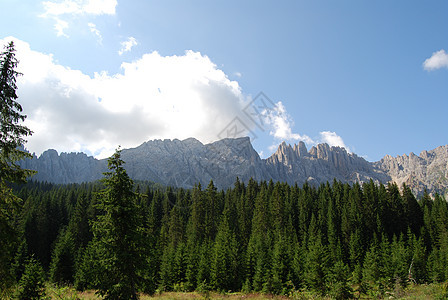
185 163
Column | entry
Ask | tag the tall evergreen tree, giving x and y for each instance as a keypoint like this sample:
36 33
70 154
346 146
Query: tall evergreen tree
224 264
63 259
118 235
12 137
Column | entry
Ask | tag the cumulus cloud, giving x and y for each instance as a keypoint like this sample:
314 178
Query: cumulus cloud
58 10
127 45
281 123
332 139
437 60
153 97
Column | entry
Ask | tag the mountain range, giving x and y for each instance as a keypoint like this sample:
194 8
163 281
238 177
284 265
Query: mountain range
188 162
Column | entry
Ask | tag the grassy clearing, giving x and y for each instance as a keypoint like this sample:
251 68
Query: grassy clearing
417 292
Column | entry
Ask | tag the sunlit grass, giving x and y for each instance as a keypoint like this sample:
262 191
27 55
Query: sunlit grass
417 292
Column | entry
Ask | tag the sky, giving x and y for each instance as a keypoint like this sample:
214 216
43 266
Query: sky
370 76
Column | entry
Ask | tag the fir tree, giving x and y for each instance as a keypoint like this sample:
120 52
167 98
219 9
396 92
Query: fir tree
224 265
118 235
31 285
12 138
63 260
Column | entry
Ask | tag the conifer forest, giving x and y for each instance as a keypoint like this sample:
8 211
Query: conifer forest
261 236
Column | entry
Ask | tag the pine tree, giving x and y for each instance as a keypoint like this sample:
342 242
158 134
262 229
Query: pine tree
12 136
224 264
418 269
63 259
203 271
118 235
316 266
31 285
400 260
11 132
89 268
167 279
371 272
281 265
413 211
338 281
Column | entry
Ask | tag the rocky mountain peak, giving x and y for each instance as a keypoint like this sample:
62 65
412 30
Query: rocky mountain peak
428 170
184 163
301 149
285 154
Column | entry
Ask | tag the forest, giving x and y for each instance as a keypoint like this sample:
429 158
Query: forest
334 239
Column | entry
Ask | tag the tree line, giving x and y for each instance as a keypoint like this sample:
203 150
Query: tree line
260 236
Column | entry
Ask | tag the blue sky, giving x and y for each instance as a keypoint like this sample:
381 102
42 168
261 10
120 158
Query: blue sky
368 75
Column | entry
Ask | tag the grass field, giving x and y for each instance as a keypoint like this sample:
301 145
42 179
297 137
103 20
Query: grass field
424 291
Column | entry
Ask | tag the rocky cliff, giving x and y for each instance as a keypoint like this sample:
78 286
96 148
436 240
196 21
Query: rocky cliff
321 164
428 170
66 167
185 163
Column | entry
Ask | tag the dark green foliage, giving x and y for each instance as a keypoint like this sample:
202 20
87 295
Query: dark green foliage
316 265
62 265
11 132
338 281
264 237
12 138
88 268
31 285
118 236
224 261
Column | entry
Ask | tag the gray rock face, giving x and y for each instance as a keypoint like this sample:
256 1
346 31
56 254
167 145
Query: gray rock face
185 163
428 170
66 167
321 164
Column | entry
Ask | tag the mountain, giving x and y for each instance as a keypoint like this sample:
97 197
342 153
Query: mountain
66 167
428 170
185 163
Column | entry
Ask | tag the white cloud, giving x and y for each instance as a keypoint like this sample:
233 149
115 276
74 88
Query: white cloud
100 7
60 26
332 139
78 7
153 97
96 32
438 60
281 123
127 45
60 10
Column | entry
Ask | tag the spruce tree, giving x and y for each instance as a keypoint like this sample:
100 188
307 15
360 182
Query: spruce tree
12 137
63 259
224 258
31 285
316 264
11 132
118 235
